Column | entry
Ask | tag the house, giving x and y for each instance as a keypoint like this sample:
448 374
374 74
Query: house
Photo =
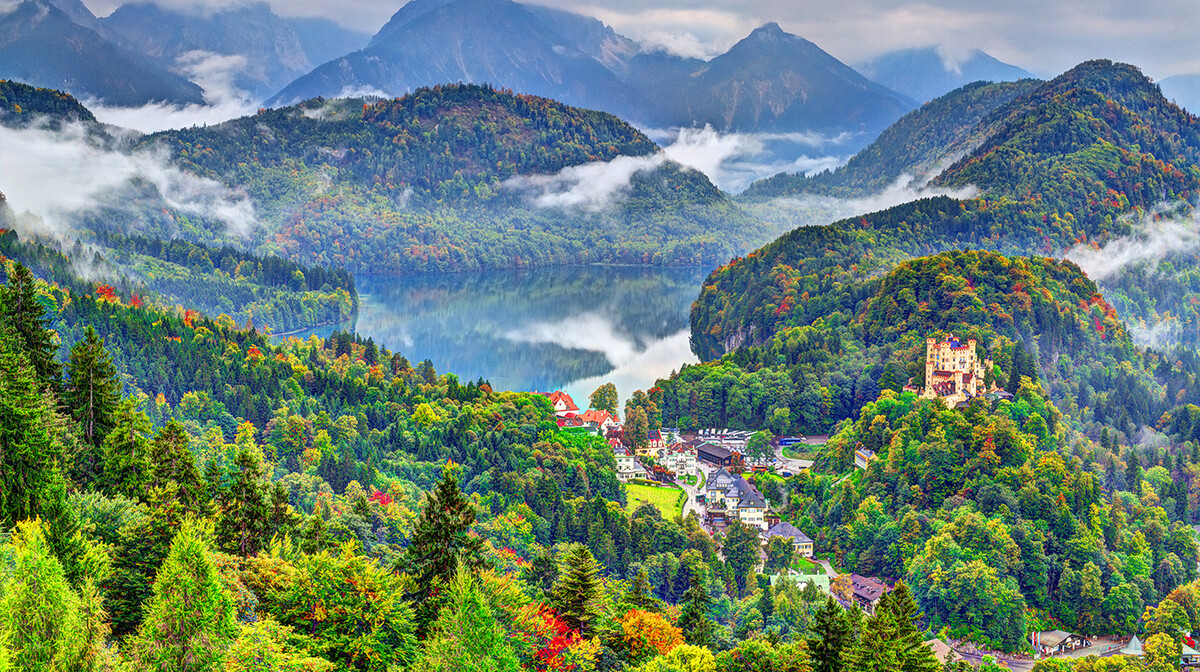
863 457
736 498
1190 657
1053 642
568 420
562 403
654 438
800 540
714 455
867 591
601 420
751 508
628 467
716 487
953 371
679 458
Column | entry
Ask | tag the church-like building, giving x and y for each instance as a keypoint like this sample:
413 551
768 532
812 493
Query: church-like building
953 371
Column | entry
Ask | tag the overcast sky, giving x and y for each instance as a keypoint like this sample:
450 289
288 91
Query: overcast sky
1042 36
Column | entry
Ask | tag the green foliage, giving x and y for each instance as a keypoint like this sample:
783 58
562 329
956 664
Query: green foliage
605 398
466 635
264 646
441 541
189 620
576 595
244 519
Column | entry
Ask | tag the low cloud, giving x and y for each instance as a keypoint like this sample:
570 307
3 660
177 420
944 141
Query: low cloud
1161 336
789 212
1153 237
56 174
731 160
214 73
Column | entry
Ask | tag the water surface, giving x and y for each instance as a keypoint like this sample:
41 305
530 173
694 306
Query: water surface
569 328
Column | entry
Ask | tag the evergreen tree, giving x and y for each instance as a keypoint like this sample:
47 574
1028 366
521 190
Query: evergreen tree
766 600
20 309
576 596
640 595
126 453
143 545
909 641
41 620
244 519
741 553
441 539
467 636
693 617
92 390
834 634
171 461
874 651
189 621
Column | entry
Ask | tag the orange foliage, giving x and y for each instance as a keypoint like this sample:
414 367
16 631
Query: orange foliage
646 631
107 293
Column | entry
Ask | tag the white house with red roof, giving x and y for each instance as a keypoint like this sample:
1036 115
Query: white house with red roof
601 420
562 402
679 458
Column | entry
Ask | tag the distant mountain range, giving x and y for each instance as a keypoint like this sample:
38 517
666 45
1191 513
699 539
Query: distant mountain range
1184 90
922 74
40 44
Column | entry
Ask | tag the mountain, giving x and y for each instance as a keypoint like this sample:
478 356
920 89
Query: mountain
461 177
78 12
1184 90
323 40
590 36
21 105
271 51
41 45
920 145
1066 163
498 42
922 74
769 81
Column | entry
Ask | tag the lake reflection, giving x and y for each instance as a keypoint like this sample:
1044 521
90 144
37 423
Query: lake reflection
570 327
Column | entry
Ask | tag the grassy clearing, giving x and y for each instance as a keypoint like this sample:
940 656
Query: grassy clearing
669 501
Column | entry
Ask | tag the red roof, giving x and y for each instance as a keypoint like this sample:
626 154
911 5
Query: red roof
598 417
559 395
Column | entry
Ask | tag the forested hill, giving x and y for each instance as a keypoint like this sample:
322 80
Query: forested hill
449 178
20 104
1065 165
920 144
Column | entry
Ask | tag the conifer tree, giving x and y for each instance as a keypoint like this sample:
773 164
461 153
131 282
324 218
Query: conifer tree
244 518
576 596
741 548
92 389
126 452
20 309
143 545
467 636
189 621
693 618
171 461
834 635
640 595
42 623
913 654
441 538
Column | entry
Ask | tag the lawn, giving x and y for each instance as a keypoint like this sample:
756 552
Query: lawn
806 566
669 501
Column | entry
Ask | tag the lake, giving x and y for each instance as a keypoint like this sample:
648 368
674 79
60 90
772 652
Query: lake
571 328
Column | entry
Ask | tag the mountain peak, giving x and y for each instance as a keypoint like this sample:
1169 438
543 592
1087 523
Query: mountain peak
769 28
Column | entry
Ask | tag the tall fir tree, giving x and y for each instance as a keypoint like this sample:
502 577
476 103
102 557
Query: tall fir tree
189 621
171 461
142 546
441 540
20 308
694 618
913 654
126 452
245 516
834 635
741 547
92 389
576 596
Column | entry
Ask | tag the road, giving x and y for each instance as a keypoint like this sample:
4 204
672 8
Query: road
689 503
789 464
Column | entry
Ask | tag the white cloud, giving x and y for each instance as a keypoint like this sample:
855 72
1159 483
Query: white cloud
1153 237
214 73
55 174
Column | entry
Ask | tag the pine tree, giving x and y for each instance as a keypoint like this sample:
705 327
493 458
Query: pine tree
20 308
126 453
741 548
171 461
467 636
766 601
244 519
640 595
190 619
92 390
833 633
693 618
576 596
913 654
441 538
143 545
875 651
41 620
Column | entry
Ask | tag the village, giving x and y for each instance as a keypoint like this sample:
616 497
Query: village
702 474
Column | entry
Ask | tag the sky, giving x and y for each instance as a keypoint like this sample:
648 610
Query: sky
1045 37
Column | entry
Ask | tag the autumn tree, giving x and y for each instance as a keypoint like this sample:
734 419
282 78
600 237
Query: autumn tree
605 398
647 634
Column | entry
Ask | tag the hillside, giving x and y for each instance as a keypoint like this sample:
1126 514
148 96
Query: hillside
21 105
920 145
449 178
1062 164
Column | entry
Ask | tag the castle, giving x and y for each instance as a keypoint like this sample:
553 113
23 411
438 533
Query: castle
953 371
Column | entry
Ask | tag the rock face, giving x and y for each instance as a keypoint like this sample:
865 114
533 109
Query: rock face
41 45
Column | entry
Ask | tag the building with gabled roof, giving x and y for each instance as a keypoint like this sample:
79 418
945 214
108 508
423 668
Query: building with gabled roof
601 420
562 403
679 458
867 591
802 543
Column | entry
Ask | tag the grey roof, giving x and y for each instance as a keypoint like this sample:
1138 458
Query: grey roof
788 530
722 480
1052 637
1133 648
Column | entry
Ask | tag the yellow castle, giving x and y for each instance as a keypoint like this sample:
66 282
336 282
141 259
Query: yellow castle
953 371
